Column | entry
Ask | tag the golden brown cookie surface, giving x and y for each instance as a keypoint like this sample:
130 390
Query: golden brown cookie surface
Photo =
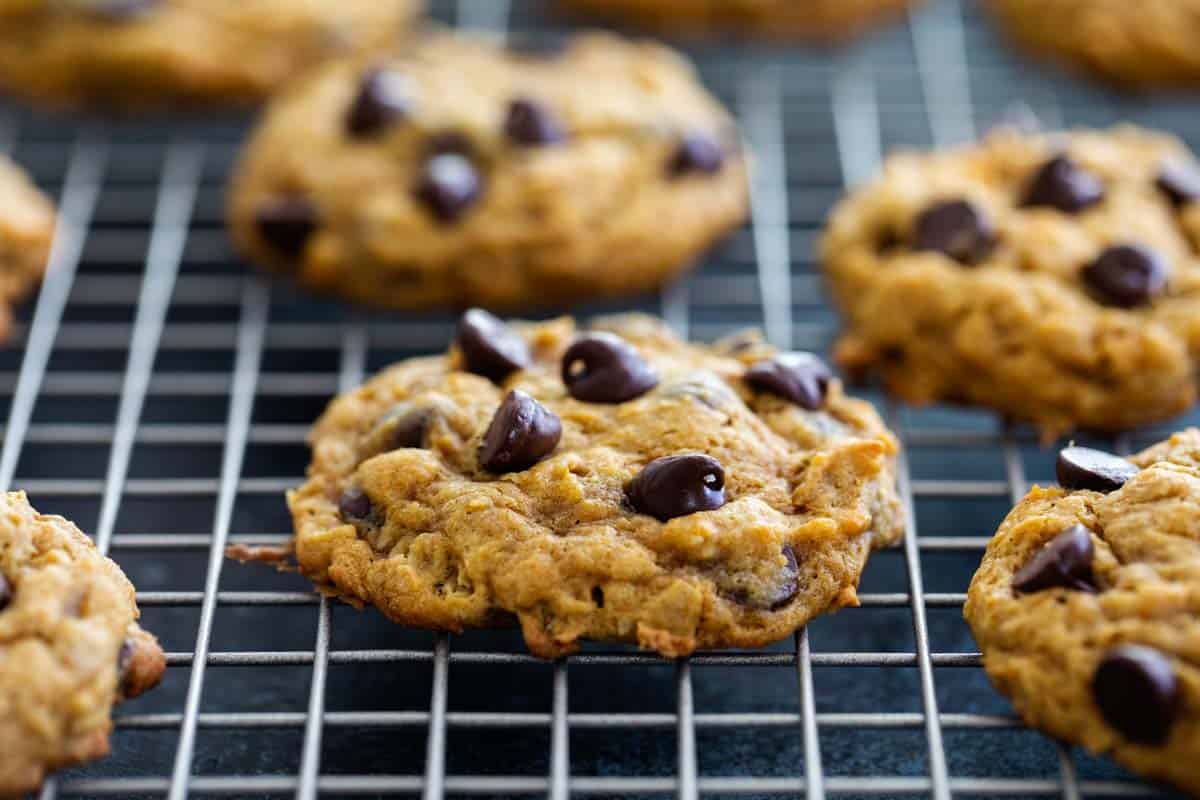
1087 607
456 173
698 497
70 646
26 229
140 54
1052 278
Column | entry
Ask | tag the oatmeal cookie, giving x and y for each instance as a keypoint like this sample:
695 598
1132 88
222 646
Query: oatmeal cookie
26 230
1087 607
604 483
1053 278
455 172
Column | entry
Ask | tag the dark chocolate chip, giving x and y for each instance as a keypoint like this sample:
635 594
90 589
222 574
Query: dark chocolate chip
6 593
449 186
522 433
1085 468
604 368
489 347
1060 183
674 486
286 224
384 96
801 378
789 582
1126 276
403 426
1138 693
957 229
532 124
124 656
1179 181
1066 562
354 504
696 152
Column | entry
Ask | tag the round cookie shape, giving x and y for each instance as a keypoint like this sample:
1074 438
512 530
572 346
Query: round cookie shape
1134 45
490 177
27 220
70 646
134 55
1083 308
1087 612
703 512
817 20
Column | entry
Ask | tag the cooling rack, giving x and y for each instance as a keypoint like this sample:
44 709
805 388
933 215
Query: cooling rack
158 393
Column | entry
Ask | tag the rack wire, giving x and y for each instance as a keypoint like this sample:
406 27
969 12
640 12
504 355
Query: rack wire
158 393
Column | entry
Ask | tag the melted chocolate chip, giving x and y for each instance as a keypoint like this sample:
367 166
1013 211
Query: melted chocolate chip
957 229
1138 693
489 347
354 504
1179 181
449 186
1060 183
604 368
696 153
532 124
1066 562
1085 468
6 593
384 96
801 378
286 224
522 433
674 486
403 426
1126 276
788 585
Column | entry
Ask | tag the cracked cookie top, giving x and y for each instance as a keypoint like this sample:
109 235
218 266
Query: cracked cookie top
1052 277
70 646
26 230
457 172
1087 606
608 483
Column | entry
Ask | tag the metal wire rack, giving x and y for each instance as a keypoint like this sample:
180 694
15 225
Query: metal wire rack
158 393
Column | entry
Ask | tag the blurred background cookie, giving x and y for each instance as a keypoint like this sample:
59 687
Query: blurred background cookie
26 228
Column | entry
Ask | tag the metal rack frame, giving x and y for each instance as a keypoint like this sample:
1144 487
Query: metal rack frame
759 98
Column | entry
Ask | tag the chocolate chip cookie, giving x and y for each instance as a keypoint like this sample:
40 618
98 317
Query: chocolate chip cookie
1087 607
455 172
1053 278
611 482
825 20
1132 44
70 646
138 54
26 229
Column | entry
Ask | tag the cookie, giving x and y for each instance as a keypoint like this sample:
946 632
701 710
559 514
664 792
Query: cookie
607 483
458 173
1087 607
824 20
1053 278
142 54
70 646
1130 44
27 221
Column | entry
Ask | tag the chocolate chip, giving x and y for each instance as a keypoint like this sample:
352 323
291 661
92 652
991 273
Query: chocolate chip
403 426
286 224
1085 468
124 656
522 433
1062 184
1126 276
449 186
354 504
802 378
955 228
532 124
788 585
1180 181
6 593
603 368
449 142
489 347
1137 692
384 96
1066 562
674 486
696 152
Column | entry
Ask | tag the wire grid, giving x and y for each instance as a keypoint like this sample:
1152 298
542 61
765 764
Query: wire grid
159 394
